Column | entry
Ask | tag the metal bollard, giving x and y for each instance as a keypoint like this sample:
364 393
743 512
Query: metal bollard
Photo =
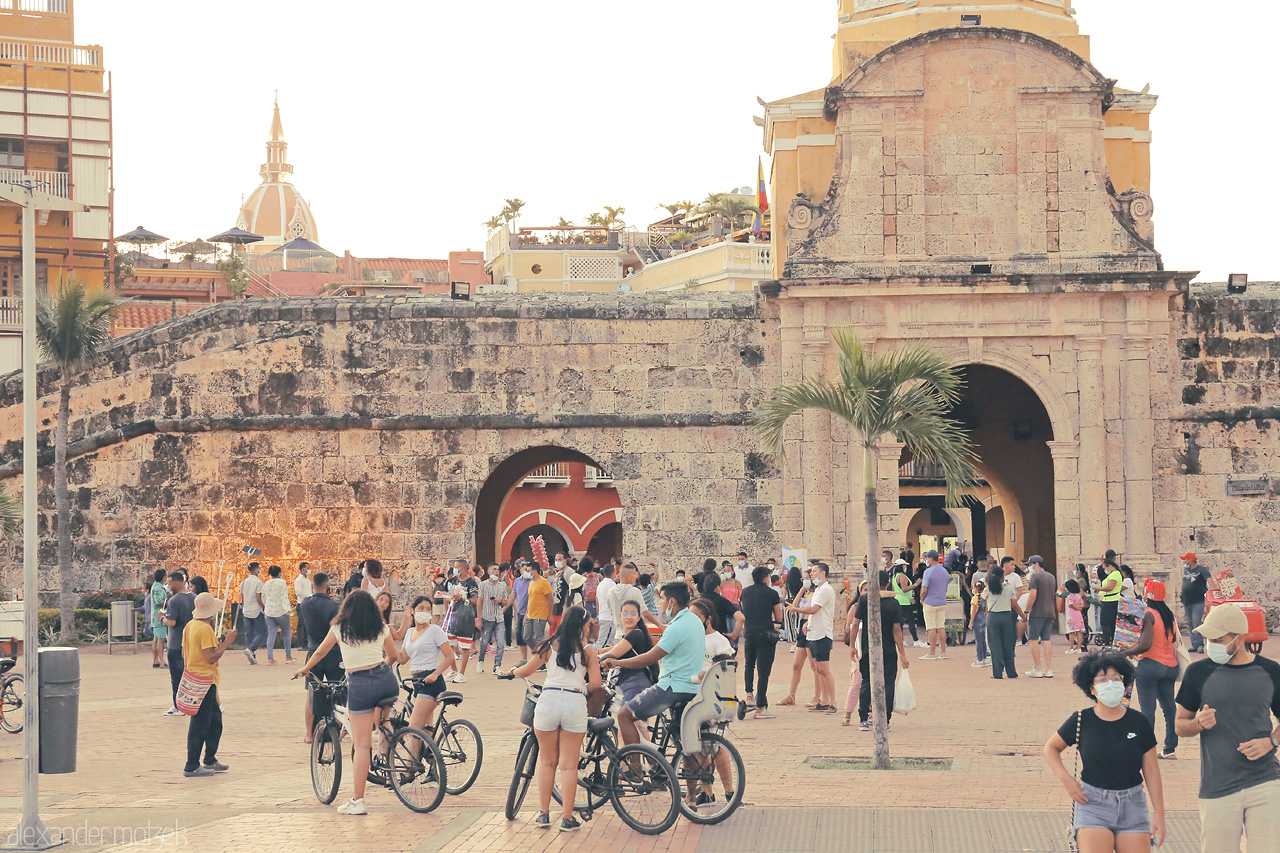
59 709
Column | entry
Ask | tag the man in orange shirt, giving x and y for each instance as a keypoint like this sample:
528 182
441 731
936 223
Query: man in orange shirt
539 608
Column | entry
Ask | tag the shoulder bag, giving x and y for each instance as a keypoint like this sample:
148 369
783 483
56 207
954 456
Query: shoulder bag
1180 652
1073 846
191 692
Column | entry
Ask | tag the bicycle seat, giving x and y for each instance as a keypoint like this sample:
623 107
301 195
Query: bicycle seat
599 724
7 664
388 702
449 698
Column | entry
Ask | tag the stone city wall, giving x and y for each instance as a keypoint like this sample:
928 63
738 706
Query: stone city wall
1223 437
334 429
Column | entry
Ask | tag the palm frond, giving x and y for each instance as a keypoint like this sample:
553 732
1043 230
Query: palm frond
73 326
10 515
771 419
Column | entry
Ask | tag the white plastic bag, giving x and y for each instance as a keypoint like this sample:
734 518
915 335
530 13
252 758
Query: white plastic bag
904 695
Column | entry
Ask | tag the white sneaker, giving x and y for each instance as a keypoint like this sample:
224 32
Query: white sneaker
353 807
978 664
480 668
174 712
1046 673
920 644
987 662
1035 673
927 657
459 679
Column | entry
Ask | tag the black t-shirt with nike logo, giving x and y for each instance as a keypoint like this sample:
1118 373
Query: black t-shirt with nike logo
1110 752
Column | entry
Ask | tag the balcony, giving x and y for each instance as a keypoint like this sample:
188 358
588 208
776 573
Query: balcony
40 7
54 183
596 478
555 474
926 473
45 54
10 312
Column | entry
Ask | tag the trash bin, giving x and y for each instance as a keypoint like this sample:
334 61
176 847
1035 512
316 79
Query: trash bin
122 621
59 709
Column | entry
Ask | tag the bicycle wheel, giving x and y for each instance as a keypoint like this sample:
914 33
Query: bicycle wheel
716 768
11 696
416 769
326 760
460 747
526 767
593 774
642 787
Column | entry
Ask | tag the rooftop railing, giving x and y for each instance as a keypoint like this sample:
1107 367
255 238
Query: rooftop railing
53 183
43 53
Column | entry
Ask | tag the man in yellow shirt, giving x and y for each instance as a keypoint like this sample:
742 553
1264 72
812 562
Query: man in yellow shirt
539 610
201 651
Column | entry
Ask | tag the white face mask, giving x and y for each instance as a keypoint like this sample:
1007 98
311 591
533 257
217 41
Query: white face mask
1218 652
493 576
559 564
421 618
527 575
742 564
1110 694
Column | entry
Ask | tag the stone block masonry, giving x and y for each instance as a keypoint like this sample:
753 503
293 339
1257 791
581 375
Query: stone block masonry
334 429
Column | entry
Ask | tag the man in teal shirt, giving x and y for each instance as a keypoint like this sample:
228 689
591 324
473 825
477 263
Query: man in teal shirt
679 655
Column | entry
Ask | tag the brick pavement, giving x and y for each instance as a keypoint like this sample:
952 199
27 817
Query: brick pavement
130 760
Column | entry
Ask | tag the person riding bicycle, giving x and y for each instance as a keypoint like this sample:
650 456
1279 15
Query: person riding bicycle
679 655
429 655
560 717
365 642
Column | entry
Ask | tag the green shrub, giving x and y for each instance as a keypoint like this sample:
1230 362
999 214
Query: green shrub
101 600
91 623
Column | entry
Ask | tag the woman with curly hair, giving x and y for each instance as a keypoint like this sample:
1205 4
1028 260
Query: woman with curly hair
1117 749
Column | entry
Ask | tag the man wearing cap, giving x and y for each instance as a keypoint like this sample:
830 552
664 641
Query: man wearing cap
933 596
1195 582
1041 607
201 652
1228 700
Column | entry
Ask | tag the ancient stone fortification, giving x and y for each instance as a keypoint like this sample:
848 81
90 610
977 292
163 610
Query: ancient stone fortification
1223 436
333 429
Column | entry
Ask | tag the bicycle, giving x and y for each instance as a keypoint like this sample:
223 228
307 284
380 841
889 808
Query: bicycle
714 755
411 764
12 692
458 741
636 779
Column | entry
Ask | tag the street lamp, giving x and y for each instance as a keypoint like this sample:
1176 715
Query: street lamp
31 834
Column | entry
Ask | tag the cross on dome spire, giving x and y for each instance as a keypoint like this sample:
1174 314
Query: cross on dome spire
277 167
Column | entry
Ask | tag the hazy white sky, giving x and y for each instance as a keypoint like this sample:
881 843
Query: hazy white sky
409 122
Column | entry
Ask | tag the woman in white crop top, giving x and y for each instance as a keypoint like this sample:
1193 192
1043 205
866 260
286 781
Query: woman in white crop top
374 581
560 718
427 651
366 645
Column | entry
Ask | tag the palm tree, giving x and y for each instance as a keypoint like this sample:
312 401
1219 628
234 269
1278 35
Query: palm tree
493 223
906 394
687 206
71 330
729 206
673 208
10 515
511 208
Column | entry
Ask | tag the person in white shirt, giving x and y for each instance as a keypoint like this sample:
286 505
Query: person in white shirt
819 633
275 607
255 624
607 584
742 570
302 589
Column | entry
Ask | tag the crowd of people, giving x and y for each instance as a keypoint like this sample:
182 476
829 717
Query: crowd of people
575 619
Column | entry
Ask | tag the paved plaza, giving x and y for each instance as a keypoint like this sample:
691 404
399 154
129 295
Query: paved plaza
998 796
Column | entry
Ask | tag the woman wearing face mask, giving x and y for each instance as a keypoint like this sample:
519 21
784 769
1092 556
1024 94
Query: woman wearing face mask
635 641
429 655
802 644
1117 749
1157 669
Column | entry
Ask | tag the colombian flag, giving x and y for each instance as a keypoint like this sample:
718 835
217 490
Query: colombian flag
762 200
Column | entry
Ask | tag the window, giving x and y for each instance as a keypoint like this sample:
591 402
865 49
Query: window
12 155
970 20
11 277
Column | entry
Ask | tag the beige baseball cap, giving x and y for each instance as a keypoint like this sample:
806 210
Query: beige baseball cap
1223 619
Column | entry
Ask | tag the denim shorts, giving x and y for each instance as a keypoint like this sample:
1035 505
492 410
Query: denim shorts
654 700
1118 811
560 709
1040 628
367 687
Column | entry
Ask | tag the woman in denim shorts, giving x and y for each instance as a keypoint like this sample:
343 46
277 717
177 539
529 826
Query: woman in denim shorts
366 644
1117 748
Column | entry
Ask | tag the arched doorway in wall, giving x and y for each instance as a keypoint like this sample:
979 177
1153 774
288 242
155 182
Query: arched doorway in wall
606 544
544 485
552 537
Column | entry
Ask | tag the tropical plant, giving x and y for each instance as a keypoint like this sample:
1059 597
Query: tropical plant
493 223
904 394
681 239
235 271
728 206
511 208
610 218
10 515
123 269
673 208
71 329
687 206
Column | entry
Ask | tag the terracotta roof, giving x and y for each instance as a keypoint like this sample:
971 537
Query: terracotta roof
140 315
404 264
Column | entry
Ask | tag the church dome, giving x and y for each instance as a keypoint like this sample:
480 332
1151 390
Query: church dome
275 210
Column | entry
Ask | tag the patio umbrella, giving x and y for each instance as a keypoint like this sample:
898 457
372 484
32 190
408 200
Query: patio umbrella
196 248
236 237
141 237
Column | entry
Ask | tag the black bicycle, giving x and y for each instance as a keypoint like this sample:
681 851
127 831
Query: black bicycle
457 740
636 779
407 761
12 692
698 768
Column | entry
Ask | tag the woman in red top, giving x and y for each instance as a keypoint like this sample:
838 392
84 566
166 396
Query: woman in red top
1157 664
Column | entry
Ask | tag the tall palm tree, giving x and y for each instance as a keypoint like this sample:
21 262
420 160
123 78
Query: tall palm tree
729 206
673 208
71 330
687 206
511 208
10 515
493 223
906 394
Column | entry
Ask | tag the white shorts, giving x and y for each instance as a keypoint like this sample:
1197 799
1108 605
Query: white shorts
560 709
934 616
